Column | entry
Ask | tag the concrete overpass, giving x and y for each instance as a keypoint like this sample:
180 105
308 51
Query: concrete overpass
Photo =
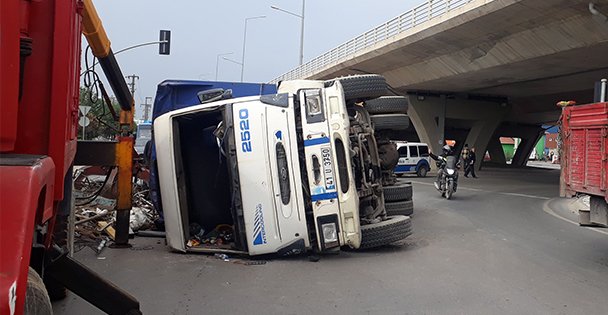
481 68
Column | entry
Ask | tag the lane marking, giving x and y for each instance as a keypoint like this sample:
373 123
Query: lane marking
525 195
546 207
489 191
550 211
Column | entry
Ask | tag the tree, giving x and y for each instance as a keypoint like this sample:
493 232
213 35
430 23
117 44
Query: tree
102 124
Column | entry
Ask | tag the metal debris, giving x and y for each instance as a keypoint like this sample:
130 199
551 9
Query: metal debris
95 200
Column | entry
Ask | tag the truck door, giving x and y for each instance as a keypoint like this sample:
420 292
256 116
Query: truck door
269 173
413 158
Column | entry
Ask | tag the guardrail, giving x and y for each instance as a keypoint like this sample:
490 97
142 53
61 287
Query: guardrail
420 14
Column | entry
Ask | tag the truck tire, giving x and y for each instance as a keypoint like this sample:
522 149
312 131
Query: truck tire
387 105
390 121
361 87
393 229
37 301
399 207
399 192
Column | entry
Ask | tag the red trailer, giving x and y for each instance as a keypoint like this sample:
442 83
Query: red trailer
39 92
584 156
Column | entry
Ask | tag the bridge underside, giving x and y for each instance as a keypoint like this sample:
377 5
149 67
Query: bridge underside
495 70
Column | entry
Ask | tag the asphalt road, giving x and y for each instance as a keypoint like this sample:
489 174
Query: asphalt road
490 250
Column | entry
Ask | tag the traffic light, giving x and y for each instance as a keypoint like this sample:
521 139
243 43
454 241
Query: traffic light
165 46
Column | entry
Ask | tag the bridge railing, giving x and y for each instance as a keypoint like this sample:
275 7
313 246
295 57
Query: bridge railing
426 11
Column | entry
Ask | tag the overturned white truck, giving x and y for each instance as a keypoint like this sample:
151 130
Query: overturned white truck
300 170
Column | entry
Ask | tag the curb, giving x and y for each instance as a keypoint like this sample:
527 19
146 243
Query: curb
566 209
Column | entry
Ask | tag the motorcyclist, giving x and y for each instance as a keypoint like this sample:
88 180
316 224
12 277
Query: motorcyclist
441 159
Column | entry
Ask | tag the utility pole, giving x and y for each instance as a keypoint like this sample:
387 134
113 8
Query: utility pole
147 107
132 83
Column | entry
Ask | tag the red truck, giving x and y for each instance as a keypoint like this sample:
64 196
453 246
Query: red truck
39 91
584 155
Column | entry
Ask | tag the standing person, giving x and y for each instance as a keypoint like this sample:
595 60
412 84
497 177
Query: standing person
470 164
464 156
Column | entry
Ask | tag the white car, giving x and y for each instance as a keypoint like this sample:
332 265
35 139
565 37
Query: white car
279 169
413 158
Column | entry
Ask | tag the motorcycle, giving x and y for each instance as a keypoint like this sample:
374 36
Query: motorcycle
449 176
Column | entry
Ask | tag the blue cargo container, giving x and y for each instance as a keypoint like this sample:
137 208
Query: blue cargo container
176 94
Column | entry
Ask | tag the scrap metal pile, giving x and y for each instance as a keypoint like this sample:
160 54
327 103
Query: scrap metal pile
94 204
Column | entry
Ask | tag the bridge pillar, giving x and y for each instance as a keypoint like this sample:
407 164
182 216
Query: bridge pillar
431 113
497 154
528 142
481 133
425 117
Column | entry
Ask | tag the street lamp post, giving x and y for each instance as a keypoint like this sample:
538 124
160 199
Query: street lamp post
244 43
236 62
301 16
127 49
217 63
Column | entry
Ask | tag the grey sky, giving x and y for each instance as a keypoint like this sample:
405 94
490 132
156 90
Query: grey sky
202 29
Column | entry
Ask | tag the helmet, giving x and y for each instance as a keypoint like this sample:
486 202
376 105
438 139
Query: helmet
446 149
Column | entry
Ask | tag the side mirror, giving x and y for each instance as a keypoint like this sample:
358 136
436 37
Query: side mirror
213 95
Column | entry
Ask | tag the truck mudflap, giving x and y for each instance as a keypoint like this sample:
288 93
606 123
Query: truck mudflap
269 175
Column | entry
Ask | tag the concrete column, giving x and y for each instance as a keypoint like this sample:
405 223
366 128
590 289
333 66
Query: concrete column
441 120
422 114
525 147
480 134
496 152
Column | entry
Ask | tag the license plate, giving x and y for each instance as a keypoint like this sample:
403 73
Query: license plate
328 170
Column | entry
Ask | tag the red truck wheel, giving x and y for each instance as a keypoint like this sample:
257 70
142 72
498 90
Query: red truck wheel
37 301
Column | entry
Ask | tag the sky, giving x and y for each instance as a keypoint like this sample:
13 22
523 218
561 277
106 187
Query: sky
202 29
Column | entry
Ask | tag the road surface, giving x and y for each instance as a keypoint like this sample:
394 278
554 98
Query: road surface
491 250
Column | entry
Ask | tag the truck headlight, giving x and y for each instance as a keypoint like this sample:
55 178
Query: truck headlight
313 102
330 233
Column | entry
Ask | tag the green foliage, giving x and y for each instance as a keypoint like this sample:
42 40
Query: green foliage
102 124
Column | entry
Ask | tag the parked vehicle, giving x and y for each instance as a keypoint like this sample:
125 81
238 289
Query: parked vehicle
40 59
413 159
143 135
290 172
584 154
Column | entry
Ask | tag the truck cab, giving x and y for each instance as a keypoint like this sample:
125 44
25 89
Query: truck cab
278 170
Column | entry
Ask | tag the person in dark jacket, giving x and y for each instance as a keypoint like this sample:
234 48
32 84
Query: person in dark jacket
470 164
446 151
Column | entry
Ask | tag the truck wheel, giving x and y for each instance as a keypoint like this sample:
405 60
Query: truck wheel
422 171
399 192
400 207
391 230
37 301
362 87
387 105
390 121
